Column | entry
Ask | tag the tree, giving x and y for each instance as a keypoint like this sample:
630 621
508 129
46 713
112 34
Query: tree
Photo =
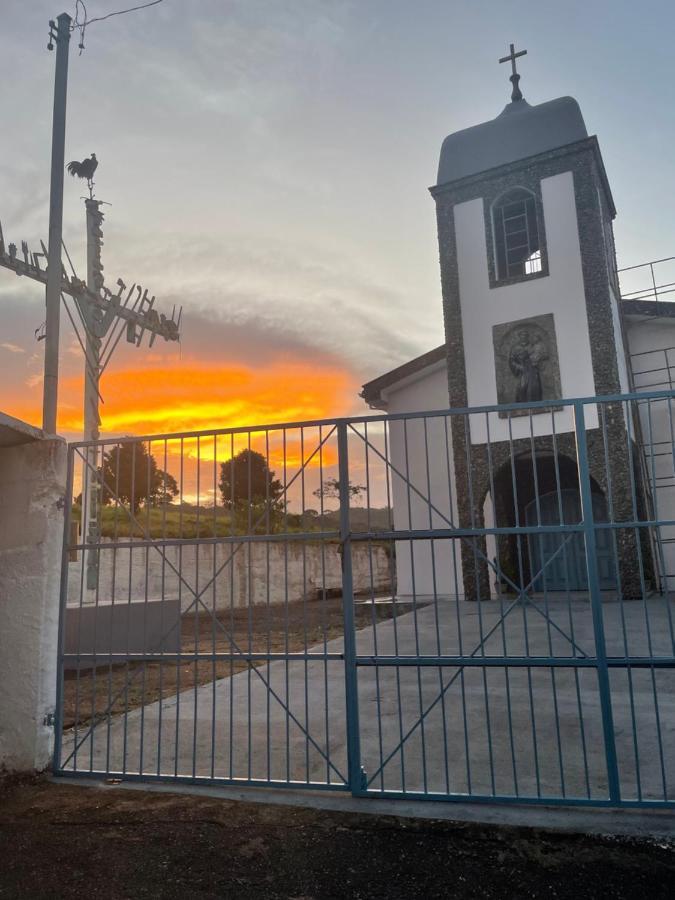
129 474
247 481
165 490
330 488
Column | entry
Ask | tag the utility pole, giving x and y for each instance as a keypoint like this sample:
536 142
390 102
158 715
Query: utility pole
59 34
104 318
93 321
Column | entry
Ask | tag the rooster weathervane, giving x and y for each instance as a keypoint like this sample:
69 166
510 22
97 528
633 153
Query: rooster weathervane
84 169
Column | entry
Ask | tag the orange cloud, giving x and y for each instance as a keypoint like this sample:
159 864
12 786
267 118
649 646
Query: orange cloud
170 398
196 396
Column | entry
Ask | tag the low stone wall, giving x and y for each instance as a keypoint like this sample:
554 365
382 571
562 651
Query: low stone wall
253 573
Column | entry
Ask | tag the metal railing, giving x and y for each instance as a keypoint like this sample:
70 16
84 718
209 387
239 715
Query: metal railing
458 604
648 281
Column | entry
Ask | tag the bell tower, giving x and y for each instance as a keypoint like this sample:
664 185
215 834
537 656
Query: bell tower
525 215
530 291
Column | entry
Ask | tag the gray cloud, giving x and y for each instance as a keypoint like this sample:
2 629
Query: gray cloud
13 348
290 297
268 162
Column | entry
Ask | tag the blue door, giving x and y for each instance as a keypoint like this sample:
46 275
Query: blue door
565 566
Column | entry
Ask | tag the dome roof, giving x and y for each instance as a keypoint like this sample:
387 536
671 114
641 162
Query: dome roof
519 131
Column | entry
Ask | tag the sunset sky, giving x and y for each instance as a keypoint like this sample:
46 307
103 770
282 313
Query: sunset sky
267 163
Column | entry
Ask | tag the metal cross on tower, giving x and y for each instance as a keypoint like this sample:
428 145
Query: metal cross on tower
103 318
514 77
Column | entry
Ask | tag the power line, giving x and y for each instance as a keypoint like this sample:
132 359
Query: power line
82 24
121 12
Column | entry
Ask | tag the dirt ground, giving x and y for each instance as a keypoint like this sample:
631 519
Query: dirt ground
287 628
63 841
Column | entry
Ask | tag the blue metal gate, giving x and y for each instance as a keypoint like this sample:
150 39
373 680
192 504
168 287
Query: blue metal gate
231 614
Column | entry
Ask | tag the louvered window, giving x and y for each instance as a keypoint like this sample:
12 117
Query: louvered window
516 234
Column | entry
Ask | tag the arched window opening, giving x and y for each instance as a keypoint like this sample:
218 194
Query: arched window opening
517 245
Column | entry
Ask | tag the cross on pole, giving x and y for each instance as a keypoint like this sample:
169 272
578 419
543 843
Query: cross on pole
104 317
514 77
136 315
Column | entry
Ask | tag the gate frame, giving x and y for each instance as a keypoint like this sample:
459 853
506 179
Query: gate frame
357 782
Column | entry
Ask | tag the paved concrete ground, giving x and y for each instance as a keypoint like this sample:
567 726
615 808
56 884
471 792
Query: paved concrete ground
533 732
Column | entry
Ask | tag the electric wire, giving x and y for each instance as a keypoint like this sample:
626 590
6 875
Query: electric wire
82 24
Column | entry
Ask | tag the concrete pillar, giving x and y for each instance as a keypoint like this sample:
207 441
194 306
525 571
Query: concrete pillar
32 485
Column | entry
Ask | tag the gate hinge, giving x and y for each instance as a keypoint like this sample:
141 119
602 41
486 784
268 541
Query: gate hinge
49 720
363 779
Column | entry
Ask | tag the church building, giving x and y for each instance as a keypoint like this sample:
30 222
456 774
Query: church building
533 312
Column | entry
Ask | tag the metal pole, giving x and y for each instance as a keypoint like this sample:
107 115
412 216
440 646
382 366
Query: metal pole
53 294
94 316
92 373
358 783
604 684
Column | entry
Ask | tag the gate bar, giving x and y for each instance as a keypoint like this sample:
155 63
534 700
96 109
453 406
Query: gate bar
63 597
592 399
160 656
585 662
354 770
613 781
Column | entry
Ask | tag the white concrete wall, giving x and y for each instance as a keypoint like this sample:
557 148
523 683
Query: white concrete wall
423 569
561 293
32 481
622 363
653 337
258 572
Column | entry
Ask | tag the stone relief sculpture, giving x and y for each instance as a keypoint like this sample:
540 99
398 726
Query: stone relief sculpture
526 361
528 354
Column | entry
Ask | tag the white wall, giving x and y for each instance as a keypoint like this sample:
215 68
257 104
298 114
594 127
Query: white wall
621 355
253 573
424 568
32 482
560 293
653 338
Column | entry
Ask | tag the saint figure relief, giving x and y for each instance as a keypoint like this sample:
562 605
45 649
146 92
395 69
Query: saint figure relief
526 358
